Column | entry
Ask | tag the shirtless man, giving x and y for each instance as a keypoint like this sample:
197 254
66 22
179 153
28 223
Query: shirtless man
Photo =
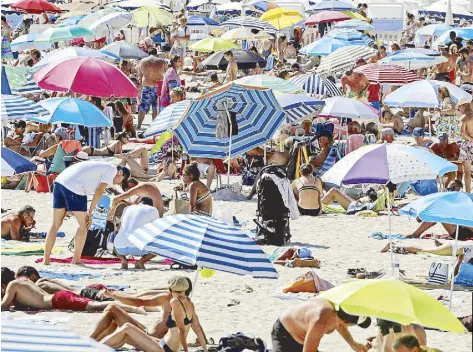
23 292
151 71
464 66
16 226
302 328
452 60
442 71
14 142
379 56
232 68
388 120
141 189
357 83
466 146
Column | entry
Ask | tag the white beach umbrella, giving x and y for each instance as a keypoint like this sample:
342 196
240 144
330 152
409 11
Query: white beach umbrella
347 108
243 33
449 15
108 24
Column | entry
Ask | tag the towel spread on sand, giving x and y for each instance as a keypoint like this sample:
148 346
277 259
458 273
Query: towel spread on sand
24 250
46 274
382 236
88 260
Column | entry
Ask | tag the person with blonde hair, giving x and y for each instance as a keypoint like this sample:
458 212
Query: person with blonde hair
181 319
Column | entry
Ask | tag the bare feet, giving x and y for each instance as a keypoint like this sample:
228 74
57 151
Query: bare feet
140 265
124 265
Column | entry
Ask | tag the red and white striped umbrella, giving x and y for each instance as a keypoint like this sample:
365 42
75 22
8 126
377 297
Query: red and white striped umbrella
387 74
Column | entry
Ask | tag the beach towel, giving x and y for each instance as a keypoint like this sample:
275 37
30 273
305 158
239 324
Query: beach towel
330 209
465 275
382 236
58 275
88 260
28 250
94 137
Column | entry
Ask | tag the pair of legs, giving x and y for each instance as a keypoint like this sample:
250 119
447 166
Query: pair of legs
132 335
168 171
141 116
138 169
467 176
12 144
210 175
140 264
443 249
79 239
424 226
334 195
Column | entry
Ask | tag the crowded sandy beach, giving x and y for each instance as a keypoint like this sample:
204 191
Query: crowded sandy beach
237 176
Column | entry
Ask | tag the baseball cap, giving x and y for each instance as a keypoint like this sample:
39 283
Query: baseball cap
61 131
20 124
443 137
418 132
81 156
388 131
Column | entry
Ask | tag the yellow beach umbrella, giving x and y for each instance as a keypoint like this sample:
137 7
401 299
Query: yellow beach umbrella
213 44
395 301
281 17
149 16
355 16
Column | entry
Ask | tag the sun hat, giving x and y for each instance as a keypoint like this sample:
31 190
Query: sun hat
178 284
418 132
61 131
81 156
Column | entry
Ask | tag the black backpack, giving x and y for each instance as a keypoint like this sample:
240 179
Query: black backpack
95 242
239 342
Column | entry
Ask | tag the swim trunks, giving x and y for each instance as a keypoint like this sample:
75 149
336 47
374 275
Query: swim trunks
283 341
68 300
66 199
309 212
149 97
466 151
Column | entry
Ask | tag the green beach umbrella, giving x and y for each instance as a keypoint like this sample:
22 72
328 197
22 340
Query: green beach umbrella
16 77
57 34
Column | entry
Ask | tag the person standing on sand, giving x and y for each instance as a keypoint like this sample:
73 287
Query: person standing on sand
151 71
466 146
232 67
302 328
70 192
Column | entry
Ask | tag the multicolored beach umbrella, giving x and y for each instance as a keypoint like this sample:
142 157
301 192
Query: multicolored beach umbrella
255 110
206 242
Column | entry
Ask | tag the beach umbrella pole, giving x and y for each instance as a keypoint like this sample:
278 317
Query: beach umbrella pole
390 231
229 144
454 255
195 281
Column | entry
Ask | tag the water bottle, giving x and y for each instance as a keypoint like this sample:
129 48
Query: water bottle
396 267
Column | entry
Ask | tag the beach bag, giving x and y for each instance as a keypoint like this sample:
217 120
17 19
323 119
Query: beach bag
179 206
465 275
96 241
239 342
438 274
309 282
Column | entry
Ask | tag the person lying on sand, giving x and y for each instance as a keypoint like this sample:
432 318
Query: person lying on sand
114 317
138 169
302 327
23 293
17 225
294 257
112 149
181 319
410 343
141 189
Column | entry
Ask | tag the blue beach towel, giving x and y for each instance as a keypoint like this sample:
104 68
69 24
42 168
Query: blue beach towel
382 236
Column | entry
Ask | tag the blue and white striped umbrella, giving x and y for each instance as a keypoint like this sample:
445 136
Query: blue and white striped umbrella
201 21
351 36
314 84
250 22
258 115
14 163
205 242
15 107
20 336
167 119
299 106
333 5
358 25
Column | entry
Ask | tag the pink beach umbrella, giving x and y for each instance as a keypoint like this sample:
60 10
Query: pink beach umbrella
87 76
325 17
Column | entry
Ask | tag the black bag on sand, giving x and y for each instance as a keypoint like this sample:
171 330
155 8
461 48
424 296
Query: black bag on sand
239 342
95 242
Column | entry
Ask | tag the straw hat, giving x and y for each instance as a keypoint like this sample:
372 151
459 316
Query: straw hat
178 284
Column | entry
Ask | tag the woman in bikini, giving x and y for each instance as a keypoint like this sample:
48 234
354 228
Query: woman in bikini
307 189
113 148
200 196
180 320
128 125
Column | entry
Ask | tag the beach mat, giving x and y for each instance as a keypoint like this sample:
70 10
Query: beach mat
37 249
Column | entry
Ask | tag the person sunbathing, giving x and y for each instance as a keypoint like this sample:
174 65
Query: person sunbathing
168 169
181 319
307 190
302 327
141 189
23 293
443 249
410 343
112 149
114 317
138 169
17 225
14 141
201 200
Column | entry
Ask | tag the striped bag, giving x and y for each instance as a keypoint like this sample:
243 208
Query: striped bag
438 274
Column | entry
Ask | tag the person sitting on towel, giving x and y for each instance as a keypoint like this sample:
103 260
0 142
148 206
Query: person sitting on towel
17 225
307 190
201 200
302 327
23 293
134 217
141 189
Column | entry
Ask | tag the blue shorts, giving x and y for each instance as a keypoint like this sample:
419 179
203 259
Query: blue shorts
65 199
376 105
149 98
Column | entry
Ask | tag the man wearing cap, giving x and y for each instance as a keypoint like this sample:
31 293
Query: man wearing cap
448 151
70 192
325 143
14 142
302 327
466 146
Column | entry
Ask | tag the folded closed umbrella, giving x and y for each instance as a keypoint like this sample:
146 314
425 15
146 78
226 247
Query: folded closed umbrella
73 111
35 6
76 74
208 45
392 300
245 60
14 163
56 34
124 50
16 107
205 242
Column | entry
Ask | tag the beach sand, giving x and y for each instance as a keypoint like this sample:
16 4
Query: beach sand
339 241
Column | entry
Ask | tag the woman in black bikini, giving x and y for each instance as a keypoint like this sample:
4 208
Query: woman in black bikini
307 189
182 318
113 148
200 196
